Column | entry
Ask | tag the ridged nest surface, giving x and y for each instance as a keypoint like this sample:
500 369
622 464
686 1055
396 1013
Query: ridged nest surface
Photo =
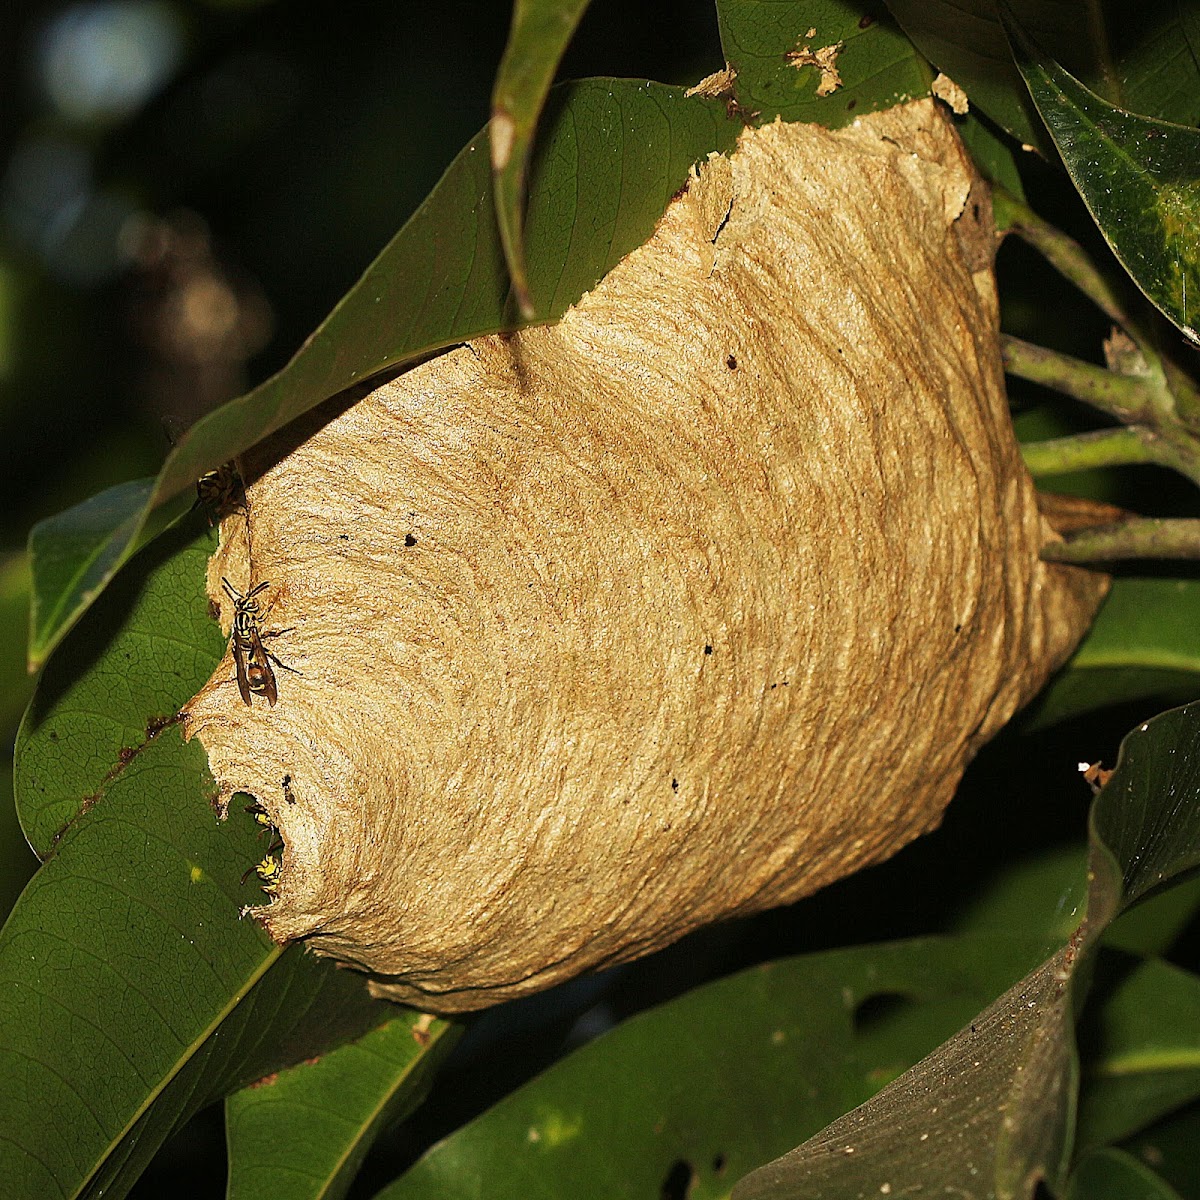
677 609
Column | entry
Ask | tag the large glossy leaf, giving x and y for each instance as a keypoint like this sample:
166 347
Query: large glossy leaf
990 1110
131 994
303 1133
1139 177
771 44
1136 55
687 1097
540 32
1145 642
613 154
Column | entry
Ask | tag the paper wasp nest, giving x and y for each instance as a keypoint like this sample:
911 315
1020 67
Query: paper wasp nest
675 610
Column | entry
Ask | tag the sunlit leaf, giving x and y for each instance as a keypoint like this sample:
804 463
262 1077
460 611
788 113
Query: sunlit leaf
1139 177
540 32
131 994
826 61
612 154
303 1133
143 652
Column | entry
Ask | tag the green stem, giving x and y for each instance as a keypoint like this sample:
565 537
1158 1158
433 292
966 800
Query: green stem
1139 538
1087 451
1066 256
1185 393
1129 398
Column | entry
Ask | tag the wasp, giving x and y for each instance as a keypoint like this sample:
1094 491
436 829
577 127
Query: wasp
221 491
268 872
271 867
251 658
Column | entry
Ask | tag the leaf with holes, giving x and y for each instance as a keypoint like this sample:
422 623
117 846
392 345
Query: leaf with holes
991 1107
687 1097
826 61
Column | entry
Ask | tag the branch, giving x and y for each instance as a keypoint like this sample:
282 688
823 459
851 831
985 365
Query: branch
1129 398
1064 254
1086 451
1139 538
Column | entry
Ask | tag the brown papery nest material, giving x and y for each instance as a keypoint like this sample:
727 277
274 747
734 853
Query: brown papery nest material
678 609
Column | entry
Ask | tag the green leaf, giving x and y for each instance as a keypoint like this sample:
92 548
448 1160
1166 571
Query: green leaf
1140 1039
135 995
613 154
991 1108
72 557
131 994
1139 177
1170 1145
1145 642
304 1133
144 651
540 32
876 64
711 1084
1116 1175
993 154
15 683
1134 54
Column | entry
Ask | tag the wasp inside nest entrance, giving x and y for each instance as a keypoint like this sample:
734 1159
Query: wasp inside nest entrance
271 867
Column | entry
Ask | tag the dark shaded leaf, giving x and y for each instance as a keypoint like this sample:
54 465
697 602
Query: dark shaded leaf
990 1110
1170 1147
540 32
1139 177
304 1133
709 1085
876 65
994 154
1144 642
1135 54
1140 1041
613 153
1116 1175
